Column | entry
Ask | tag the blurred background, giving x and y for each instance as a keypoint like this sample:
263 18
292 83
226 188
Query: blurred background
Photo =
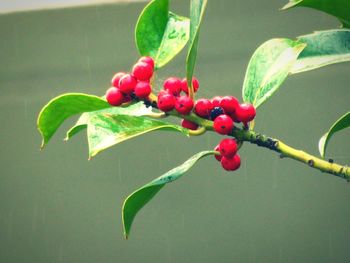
56 206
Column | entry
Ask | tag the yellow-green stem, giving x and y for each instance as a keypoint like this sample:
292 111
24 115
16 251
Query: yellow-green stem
276 145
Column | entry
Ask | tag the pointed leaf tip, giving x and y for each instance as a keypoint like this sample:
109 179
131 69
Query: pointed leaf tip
138 199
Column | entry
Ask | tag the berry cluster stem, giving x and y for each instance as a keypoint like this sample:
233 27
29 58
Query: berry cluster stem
273 144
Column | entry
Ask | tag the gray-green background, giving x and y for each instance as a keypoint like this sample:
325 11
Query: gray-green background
55 206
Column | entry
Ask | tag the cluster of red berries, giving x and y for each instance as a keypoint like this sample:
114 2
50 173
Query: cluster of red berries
223 111
126 85
228 156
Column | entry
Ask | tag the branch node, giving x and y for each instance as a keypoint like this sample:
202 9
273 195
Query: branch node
311 163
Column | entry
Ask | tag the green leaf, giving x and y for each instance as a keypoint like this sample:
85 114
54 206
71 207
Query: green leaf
337 8
323 48
136 109
105 130
161 34
268 68
197 12
62 107
342 123
138 199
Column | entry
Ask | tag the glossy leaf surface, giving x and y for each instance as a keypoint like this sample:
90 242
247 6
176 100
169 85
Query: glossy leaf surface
268 68
62 107
105 130
137 109
161 34
197 12
337 8
323 48
138 199
342 123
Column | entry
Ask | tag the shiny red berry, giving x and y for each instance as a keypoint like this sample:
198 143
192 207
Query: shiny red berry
147 60
228 147
229 104
116 78
173 85
231 164
184 105
114 96
127 84
216 101
189 125
184 86
223 124
142 89
245 113
142 71
166 101
217 156
203 108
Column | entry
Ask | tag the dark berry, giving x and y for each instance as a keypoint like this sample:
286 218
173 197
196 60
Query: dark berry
142 89
127 98
116 78
114 96
223 124
127 84
216 101
173 85
184 105
231 164
217 156
229 104
147 60
245 113
184 86
142 71
215 112
166 101
189 125
228 147
203 108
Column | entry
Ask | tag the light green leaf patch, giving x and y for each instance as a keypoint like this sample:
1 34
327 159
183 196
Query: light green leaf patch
105 130
161 34
136 109
342 123
138 199
197 11
337 8
62 107
323 48
268 68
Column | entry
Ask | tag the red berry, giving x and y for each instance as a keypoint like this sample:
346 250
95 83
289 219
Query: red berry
245 113
166 101
147 60
189 125
142 89
217 156
142 71
203 108
116 78
229 104
216 101
173 85
114 96
223 124
184 86
231 164
127 84
184 105
228 147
